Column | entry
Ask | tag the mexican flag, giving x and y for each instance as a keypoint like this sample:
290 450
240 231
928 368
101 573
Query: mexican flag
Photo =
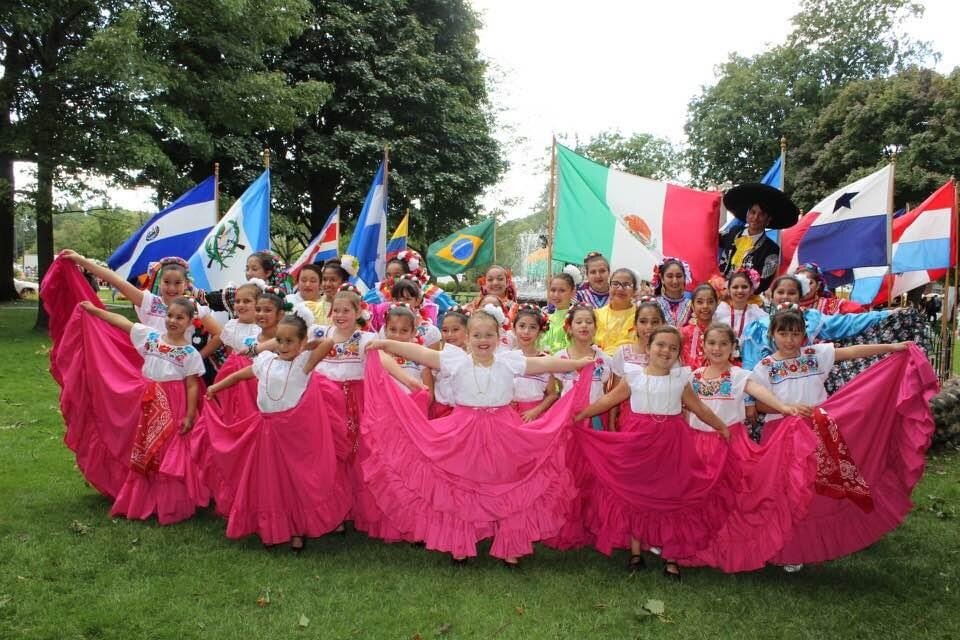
633 221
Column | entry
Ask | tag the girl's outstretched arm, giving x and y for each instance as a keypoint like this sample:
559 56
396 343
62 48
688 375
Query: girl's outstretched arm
408 350
609 400
117 320
242 374
693 402
768 400
551 364
129 291
867 350
392 367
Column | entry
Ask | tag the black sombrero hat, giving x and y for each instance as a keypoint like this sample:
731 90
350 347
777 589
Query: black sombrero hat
783 213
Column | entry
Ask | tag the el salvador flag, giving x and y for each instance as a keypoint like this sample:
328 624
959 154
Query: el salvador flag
221 258
175 231
369 242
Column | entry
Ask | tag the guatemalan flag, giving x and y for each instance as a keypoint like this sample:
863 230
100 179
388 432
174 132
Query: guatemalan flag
323 247
850 228
369 241
924 246
631 220
221 258
176 231
398 241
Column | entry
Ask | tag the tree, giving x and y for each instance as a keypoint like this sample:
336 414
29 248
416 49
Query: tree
406 74
641 154
733 126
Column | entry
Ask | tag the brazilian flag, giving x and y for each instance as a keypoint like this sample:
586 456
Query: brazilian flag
466 248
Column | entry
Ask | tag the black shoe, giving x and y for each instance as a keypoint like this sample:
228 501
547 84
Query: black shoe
672 575
636 563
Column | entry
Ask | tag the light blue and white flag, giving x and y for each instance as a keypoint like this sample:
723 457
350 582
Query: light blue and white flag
369 241
244 230
175 231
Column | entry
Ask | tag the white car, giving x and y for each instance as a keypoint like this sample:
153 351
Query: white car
25 286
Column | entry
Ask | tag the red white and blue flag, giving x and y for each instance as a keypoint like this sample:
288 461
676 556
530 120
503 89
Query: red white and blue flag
324 246
848 229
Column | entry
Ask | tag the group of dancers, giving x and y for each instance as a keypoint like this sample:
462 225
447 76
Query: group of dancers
687 421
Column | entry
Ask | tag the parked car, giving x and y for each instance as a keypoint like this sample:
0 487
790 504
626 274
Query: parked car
25 287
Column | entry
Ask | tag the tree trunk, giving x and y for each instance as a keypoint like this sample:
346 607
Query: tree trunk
8 245
44 206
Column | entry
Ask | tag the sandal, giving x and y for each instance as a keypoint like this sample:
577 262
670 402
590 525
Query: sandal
675 573
635 563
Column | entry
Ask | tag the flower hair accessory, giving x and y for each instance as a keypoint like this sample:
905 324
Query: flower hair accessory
260 284
591 255
301 311
154 268
350 264
348 286
647 299
459 309
542 316
496 313
805 283
574 272
814 268
415 265
786 306
752 276
658 270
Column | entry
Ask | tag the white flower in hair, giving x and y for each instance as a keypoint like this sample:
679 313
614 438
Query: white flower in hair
350 264
805 283
496 312
574 272
414 264
301 311
261 284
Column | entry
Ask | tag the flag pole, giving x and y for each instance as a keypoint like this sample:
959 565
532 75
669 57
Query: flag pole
216 189
266 158
783 162
893 172
946 308
386 168
551 208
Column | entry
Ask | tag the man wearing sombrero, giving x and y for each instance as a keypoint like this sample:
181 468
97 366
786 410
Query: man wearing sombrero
760 207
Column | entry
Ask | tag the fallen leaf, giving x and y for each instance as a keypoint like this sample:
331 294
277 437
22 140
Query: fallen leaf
444 629
520 610
264 599
416 636
600 605
303 622
5 599
79 528
655 607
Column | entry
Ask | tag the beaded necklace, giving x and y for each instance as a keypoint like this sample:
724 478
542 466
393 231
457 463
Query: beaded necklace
286 380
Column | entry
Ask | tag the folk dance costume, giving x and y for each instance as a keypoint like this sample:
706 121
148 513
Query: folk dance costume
478 473
280 462
413 369
589 296
443 396
598 382
691 346
831 305
677 311
615 328
528 390
320 308
123 398
776 484
554 337
738 320
648 481
883 420
342 387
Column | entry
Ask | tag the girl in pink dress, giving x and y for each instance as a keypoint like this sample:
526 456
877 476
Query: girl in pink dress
407 291
776 484
401 322
871 435
454 330
280 462
480 472
162 479
532 394
241 335
581 326
704 306
647 484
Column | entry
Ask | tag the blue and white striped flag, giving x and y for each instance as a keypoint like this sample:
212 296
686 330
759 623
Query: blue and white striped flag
369 241
175 231
244 230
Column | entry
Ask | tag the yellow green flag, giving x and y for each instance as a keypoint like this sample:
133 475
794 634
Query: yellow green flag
469 247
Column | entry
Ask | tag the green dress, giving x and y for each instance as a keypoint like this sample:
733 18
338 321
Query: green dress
555 337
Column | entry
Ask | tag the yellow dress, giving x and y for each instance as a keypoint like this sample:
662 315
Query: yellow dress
615 328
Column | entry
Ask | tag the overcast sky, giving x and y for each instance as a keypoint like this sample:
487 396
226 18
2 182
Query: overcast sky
578 68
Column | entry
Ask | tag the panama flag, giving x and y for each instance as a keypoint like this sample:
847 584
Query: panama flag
848 229
398 241
924 246
325 245
369 241
176 231
221 258
633 221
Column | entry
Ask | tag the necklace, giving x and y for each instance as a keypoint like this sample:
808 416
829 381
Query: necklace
482 390
266 381
743 318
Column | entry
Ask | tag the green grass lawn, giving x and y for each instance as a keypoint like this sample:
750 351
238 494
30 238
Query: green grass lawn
69 571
